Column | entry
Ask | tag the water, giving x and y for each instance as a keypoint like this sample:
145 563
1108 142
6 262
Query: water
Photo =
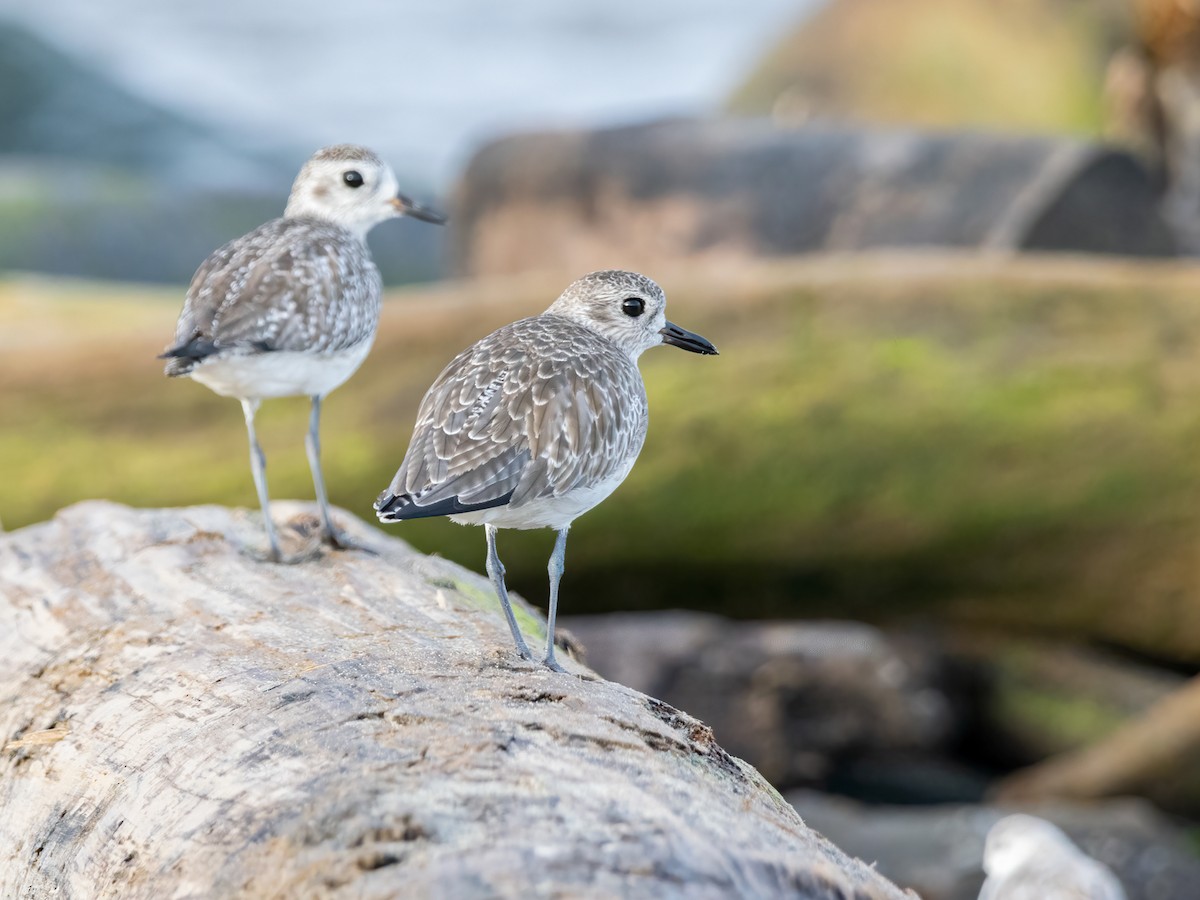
425 83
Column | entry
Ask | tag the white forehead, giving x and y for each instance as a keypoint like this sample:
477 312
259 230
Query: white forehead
611 284
333 162
324 171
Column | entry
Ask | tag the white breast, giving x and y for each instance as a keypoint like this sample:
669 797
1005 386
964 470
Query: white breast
282 373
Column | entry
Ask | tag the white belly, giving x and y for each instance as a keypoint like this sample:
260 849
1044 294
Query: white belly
282 373
553 512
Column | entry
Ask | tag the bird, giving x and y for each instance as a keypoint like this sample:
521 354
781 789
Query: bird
1027 858
291 308
538 422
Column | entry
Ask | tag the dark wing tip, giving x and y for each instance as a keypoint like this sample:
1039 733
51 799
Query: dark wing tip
182 358
176 367
193 349
391 507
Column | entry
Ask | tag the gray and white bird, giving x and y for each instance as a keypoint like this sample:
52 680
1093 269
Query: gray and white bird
291 308
538 422
1027 858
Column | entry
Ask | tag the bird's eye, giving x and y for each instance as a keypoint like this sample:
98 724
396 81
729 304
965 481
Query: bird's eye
353 178
633 306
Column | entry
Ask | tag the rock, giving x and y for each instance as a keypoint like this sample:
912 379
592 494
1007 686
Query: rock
925 437
1029 66
736 188
802 701
937 851
180 719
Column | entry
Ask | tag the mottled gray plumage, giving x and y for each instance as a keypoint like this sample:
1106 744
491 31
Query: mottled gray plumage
291 284
534 410
291 308
538 422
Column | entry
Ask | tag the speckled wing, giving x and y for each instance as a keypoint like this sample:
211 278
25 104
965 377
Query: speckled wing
532 411
291 284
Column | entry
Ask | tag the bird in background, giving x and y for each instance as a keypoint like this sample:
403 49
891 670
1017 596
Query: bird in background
538 422
1027 858
291 308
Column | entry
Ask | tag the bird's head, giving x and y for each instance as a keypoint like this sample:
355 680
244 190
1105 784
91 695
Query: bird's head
352 187
627 308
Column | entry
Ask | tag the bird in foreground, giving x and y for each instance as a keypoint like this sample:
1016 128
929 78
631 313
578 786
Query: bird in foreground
1027 858
291 308
538 422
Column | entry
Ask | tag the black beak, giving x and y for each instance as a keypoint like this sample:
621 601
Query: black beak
687 340
409 207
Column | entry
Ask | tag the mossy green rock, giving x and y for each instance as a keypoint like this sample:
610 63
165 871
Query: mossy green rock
1009 442
1022 64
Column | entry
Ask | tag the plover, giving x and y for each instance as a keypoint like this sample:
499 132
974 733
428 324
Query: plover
1027 858
291 308
538 422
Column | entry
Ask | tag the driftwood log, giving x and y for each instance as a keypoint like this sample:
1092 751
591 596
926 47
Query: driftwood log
179 719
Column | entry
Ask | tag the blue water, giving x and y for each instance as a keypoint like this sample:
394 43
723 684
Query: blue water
424 83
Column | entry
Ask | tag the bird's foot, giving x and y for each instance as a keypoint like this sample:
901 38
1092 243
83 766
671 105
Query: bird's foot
276 556
339 540
552 664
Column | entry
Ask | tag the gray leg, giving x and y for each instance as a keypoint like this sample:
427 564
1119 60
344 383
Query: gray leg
258 464
312 443
557 564
495 570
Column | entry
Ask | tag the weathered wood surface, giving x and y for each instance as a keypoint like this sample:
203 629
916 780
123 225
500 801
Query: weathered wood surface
179 719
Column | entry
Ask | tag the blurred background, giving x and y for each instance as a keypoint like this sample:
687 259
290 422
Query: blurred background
944 473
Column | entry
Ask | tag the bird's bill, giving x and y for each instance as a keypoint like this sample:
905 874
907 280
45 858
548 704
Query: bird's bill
406 206
686 340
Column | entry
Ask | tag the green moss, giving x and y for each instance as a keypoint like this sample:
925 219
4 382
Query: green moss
1021 65
1054 722
481 598
989 446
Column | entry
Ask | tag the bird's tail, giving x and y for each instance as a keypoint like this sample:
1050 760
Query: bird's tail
390 507
182 358
393 507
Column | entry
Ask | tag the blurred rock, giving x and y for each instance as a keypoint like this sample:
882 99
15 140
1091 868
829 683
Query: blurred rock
1029 66
737 188
798 700
1004 443
937 851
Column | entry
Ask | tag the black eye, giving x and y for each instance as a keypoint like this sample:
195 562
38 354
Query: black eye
633 306
353 178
